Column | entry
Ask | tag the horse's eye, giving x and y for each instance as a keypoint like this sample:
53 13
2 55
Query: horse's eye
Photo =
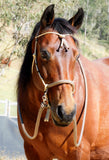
45 54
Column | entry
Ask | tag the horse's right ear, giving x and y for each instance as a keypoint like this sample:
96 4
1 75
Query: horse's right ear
77 20
47 17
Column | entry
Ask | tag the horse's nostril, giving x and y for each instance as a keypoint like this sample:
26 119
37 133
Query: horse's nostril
60 111
62 114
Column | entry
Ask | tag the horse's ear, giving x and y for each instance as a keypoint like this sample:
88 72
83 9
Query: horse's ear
47 17
77 20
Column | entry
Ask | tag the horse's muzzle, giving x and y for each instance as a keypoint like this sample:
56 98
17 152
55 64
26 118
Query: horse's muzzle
61 118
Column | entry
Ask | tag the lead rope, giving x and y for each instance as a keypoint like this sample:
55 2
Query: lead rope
36 125
77 144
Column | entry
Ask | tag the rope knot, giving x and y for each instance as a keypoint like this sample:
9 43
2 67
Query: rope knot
63 43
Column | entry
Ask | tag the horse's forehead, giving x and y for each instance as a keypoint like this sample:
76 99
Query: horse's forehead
53 40
50 39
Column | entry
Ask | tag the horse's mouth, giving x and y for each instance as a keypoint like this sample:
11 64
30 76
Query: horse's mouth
60 123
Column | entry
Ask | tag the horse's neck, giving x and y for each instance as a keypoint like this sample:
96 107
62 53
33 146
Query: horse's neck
30 98
89 71
92 75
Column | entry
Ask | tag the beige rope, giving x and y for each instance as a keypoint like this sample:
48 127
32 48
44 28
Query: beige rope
60 35
47 115
61 82
64 42
33 63
77 144
36 125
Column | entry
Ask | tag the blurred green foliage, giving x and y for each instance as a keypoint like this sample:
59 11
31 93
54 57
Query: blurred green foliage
22 15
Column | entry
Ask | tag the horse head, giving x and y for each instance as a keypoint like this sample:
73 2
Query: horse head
56 52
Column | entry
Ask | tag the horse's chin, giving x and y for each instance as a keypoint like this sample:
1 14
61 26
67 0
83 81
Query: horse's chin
60 124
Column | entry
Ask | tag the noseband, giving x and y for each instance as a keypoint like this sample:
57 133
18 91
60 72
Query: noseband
45 103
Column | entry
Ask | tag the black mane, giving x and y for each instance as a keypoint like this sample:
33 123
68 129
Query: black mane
62 26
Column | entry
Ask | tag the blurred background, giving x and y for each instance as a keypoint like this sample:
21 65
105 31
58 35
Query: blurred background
17 20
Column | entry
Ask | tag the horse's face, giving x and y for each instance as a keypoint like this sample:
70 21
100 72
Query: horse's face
57 63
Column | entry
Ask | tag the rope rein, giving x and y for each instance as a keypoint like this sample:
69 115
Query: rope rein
45 103
77 144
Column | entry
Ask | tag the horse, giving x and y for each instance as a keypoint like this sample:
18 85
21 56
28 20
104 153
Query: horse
58 85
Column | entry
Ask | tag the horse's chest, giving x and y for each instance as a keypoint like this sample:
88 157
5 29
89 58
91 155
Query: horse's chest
52 139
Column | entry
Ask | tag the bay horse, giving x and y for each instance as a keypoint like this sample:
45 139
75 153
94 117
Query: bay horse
57 81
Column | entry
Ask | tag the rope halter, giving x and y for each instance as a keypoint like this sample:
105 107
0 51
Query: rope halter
47 86
45 103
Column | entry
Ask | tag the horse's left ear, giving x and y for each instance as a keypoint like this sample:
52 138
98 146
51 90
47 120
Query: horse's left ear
77 20
47 17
